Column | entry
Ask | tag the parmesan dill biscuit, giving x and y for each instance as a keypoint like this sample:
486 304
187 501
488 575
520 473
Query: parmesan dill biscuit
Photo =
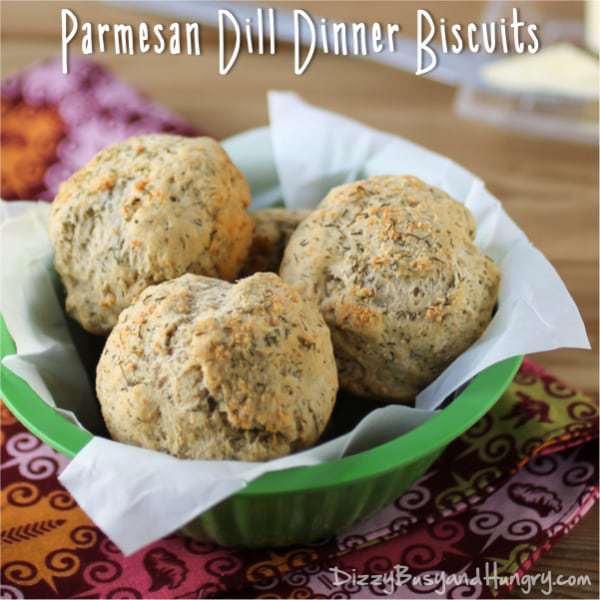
272 230
144 211
201 368
392 265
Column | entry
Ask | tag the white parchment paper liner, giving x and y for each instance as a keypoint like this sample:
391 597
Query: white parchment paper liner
137 496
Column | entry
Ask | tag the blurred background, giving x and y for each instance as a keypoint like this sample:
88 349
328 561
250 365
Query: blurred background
536 149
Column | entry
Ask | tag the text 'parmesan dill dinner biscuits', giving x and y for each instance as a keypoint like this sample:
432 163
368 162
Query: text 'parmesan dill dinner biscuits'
143 211
201 368
273 228
392 265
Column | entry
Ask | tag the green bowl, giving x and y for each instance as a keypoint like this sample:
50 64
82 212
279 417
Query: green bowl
302 504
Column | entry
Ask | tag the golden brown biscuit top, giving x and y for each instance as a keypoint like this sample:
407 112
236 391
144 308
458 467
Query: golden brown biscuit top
143 211
240 371
392 265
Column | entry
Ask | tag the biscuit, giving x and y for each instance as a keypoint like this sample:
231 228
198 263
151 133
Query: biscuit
273 228
392 265
144 211
201 368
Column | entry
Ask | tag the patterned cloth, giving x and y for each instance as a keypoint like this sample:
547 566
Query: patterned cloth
53 124
503 493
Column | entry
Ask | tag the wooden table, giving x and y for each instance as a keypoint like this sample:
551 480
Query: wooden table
550 188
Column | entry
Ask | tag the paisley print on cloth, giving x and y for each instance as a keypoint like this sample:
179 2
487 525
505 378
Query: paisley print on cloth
491 497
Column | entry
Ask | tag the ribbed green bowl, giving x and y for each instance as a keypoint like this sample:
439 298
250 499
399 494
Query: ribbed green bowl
306 503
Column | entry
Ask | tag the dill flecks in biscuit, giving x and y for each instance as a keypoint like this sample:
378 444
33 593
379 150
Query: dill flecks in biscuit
201 368
273 228
392 265
143 211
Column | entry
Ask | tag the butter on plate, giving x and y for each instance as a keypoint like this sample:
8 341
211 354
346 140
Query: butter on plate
559 70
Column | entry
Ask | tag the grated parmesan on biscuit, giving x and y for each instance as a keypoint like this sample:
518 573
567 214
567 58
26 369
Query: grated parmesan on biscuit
391 263
201 368
143 211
